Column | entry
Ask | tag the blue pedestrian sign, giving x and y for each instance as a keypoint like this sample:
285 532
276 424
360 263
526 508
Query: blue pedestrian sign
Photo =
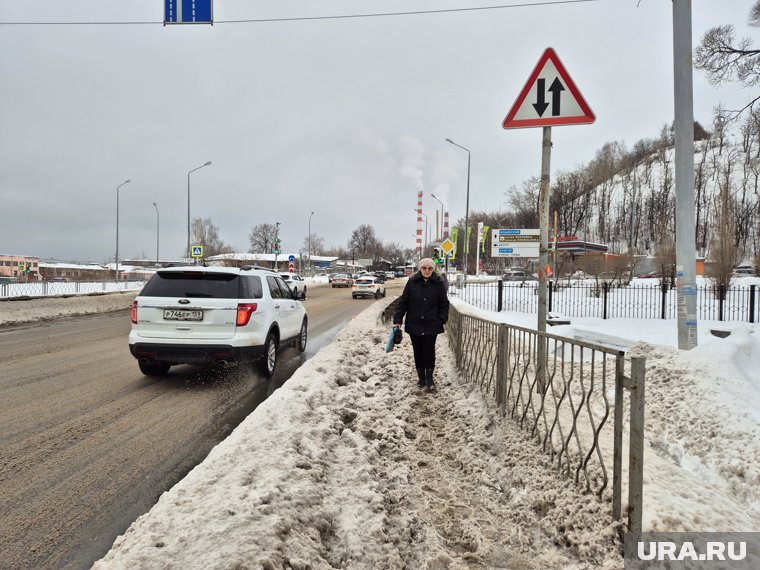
197 251
188 12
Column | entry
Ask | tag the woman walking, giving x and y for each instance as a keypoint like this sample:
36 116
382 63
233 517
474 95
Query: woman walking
425 304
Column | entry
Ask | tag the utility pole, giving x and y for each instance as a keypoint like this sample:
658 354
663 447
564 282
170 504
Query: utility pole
686 253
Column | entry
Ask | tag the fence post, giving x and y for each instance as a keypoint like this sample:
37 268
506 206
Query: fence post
617 442
501 366
721 299
605 291
752 303
551 297
664 299
500 302
636 445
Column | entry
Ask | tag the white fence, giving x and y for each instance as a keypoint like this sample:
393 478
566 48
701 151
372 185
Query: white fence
48 288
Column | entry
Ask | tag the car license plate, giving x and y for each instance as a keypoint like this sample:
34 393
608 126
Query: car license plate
176 315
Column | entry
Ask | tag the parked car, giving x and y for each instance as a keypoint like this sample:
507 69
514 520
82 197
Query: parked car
515 275
368 286
650 275
389 275
341 280
295 282
215 315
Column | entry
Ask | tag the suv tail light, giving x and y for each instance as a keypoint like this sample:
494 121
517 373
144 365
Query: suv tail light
133 312
244 312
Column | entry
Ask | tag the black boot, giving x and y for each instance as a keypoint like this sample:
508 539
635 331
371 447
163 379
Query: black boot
429 380
421 382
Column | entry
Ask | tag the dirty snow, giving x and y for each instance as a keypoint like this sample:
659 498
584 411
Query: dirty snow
350 465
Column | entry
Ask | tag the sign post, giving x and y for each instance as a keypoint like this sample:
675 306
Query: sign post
548 98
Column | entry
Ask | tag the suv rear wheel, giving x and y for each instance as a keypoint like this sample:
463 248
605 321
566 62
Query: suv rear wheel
154 368
269 361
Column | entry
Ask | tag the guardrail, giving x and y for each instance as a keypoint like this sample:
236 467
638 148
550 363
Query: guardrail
564 403
603 300
48 288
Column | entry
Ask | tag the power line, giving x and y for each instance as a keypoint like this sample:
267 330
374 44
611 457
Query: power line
309 18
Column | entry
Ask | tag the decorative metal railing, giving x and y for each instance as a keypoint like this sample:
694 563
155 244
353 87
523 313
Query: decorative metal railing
571 404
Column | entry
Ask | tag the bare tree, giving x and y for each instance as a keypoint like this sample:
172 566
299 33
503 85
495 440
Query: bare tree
524 203
207 234
363 240
724 253
317 245
724 58
261 238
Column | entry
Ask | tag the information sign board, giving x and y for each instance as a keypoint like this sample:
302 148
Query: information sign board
515 243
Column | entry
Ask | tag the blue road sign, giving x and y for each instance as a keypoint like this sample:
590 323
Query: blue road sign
291 258
197 251
188 12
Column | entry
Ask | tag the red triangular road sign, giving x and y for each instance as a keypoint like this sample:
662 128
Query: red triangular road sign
549 98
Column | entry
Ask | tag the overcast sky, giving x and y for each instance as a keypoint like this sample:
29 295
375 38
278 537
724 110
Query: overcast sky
343 117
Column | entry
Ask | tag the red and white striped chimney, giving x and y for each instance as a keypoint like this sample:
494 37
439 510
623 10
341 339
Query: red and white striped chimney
419 223
445 225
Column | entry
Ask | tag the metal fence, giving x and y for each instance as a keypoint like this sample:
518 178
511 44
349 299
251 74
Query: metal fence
572 404
48 288
655 301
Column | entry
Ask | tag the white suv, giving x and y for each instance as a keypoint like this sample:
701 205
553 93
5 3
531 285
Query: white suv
212 315
295 282
368 286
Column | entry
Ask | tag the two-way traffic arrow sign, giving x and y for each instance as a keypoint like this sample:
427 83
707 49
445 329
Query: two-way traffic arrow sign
549 98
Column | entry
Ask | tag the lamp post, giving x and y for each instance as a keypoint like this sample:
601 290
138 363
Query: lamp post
158 219
311 267
188 203
276 243
441 203
117 226
466 211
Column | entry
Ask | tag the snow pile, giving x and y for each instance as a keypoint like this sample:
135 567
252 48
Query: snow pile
20 311
350 465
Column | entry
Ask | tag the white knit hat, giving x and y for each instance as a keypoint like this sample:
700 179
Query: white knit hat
426 261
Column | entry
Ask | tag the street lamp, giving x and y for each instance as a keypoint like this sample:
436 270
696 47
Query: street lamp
276 243
158 218
117 226
311 267
188 204
466 211
441 203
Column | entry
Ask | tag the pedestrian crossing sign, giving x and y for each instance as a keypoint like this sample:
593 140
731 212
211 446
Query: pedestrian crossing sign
197 251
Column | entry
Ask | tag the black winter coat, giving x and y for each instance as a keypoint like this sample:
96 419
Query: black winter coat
425 304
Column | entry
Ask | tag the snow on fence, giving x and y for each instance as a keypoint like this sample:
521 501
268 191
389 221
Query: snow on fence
47 288
604 300
564 403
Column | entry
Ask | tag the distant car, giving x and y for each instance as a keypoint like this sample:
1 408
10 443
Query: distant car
515 275
213 315
368 286
295 282
341 280
650 275
744 271
389 275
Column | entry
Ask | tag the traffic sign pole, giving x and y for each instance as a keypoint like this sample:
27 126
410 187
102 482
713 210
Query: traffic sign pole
543 251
